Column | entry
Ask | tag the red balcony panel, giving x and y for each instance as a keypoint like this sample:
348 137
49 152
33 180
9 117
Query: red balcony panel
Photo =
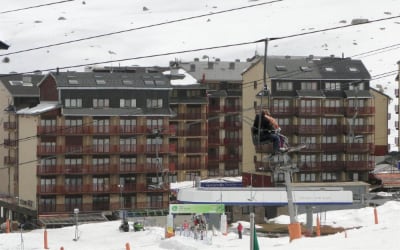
49 169
313 147
309 111
282 111
127 148
332 129
359 165
73 149
309 166
333 147
70 130
333 110
364 129
332 166
171 167
46 189
101 129
44 149
47 130
70 189
232 141
350 111
214 108
229 108
232 158
310 129
359 147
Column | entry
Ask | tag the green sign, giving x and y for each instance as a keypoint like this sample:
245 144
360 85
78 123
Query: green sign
196 208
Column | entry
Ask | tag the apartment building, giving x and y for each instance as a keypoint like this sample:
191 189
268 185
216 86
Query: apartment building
17 92
224 121
325 103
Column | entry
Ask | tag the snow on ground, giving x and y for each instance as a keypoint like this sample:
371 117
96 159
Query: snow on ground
106 236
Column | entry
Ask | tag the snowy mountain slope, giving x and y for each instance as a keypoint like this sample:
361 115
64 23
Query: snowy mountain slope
60 23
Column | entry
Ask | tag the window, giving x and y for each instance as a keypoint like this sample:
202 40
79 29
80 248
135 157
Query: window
280 68
73 184
101 103
101 183
329 69
158 80
255 85
357 86
127 82
48 184
308 85
127 103
101 145
47 204
305 68
100 81
155 200
283 121
307 177
308 140
330 103
154 103
332 86
154 123
148 80
73 122
73 81
353 69
327 176
329 157
281 105
329 121
308 121
72 202
73 162
101 202
284 86
356 103
193 93
101 125
127 164
73 103
329 139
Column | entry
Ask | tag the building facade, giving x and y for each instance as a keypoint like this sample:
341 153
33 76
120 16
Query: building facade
224 121
325 103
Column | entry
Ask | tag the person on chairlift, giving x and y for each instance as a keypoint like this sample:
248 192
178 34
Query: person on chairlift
267 131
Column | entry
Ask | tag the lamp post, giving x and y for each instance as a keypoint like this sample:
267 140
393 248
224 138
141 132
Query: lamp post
76 212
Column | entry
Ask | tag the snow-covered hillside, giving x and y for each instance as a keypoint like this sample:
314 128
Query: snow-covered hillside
68 21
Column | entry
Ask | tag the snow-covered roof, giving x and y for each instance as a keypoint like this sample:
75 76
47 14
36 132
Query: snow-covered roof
38 109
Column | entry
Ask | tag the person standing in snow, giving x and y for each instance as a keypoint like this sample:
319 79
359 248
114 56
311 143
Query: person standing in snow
240 229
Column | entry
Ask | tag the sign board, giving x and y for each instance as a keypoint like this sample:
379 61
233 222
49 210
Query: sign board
196 208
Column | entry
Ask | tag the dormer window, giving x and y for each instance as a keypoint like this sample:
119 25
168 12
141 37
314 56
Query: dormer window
353 69
329 69
280 68
100 81
305 68
73 81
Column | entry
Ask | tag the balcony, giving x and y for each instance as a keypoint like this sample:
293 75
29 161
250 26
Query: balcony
9 125
282 111
359 165
230 157
10 142
214 140
333 110
47 130
236 108
309 129
192 150
190 166
232 141
214 108
359 148
350 111
332 129
8 160
232 125
332 147
309 111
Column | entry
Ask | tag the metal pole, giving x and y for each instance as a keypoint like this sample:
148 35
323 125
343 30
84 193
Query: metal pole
252 231
263 88
290 197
